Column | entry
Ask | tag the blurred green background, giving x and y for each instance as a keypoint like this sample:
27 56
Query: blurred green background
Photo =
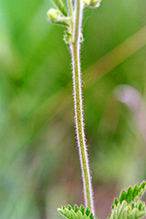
39 167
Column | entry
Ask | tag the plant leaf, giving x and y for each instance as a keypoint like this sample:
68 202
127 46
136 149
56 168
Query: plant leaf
128 206
62 23
67 37
119 211
136 210
76 213
61 5
133 194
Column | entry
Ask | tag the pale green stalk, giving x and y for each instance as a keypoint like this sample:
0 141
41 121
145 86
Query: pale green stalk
70 8
128 205
77 91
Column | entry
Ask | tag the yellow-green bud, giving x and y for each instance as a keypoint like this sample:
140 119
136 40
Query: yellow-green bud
86 2
53 14
95 3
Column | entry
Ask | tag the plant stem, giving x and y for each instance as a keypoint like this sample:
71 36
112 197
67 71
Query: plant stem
71 15
70 8
77 91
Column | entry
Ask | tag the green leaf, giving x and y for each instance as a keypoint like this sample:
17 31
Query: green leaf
61 5
67 37
62 23
119 211
129 206
75 213
134 193
138 211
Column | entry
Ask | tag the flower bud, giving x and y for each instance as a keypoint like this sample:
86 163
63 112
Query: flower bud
53 14
95 3
86 2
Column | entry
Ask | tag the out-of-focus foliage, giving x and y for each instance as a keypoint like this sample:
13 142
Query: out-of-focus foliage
39 167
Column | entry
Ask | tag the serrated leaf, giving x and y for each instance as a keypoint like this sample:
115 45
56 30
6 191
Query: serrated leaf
122 196
82 209
76 208
119 211
129 206
133 193
135 213
61 5
76 213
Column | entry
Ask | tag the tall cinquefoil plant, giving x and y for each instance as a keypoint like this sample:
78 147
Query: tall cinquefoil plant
69 13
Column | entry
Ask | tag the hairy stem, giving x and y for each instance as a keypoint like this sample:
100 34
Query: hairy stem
77 91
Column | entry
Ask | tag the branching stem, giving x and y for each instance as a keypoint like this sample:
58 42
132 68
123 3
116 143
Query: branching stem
77 91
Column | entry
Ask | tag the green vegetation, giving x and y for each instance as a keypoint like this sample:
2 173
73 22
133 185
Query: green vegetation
127 206
39 168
